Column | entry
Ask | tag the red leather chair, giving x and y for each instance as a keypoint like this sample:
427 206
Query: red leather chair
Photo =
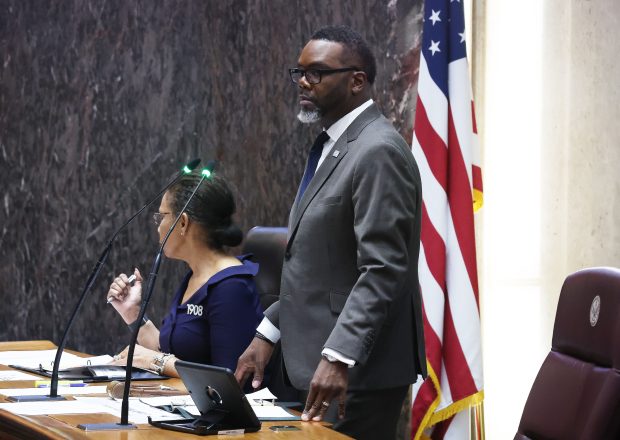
576 394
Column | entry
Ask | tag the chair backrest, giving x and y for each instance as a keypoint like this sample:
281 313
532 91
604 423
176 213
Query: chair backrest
576 394
267 245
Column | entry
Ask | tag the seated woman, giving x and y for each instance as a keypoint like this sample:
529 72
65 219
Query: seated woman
215 311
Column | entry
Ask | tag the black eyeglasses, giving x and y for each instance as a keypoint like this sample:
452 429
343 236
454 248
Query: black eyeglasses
159 216
313 76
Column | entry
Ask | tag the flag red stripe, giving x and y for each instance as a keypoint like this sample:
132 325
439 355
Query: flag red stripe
476 177
441 429
461 381
427 392
434 249
461 205
433 345
473 118
433 147
426 395
435 252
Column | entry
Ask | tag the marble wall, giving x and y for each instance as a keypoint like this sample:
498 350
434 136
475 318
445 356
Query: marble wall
101 101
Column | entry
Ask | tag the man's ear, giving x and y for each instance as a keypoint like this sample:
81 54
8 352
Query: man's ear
184 222
360 82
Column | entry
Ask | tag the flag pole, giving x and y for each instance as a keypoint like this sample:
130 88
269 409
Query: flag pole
476 422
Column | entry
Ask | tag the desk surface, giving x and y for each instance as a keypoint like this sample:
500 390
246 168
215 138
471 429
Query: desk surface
64 426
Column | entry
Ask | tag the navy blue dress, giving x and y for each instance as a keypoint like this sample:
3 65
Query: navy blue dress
218 322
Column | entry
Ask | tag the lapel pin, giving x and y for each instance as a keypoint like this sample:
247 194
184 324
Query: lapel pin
336 153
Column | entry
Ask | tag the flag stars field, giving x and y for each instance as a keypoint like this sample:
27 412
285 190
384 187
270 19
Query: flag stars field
435 17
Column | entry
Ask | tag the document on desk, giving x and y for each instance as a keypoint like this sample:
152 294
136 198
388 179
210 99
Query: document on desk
261 395
172 403
273 412
44 359
72 367
62 391
57 407
11 375
34 358
181 400
261 403
138 412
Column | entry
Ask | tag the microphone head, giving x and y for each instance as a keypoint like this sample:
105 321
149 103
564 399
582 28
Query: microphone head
115 389
191 165
212 165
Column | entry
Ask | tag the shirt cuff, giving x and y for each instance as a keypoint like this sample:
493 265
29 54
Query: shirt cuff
333 356
268 330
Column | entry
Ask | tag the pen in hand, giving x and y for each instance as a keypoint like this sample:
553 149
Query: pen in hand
130 280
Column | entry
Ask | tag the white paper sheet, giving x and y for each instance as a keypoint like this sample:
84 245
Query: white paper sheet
63 391
138 412
57 407
45 358
31 358
10 375
71 361
263 394
271 412
182 400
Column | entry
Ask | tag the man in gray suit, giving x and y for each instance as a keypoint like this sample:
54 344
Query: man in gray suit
349 316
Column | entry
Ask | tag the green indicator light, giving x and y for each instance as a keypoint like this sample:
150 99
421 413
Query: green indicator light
186 170
206 173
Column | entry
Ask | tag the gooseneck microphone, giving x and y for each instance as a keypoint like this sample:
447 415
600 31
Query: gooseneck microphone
89 283
207 172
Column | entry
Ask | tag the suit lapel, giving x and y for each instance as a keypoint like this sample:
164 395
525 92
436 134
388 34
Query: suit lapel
321 175
328 166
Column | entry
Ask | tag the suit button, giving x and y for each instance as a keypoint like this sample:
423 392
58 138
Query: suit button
287 255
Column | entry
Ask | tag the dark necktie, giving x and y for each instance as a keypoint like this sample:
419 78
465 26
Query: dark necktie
313 160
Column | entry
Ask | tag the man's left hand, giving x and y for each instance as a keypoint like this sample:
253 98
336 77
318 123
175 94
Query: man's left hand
329 383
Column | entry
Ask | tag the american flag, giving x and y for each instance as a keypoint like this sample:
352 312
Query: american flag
446 149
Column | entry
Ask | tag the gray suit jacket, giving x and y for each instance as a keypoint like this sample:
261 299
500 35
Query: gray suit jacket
350 274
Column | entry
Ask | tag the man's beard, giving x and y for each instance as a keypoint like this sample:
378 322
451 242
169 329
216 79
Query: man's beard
309 116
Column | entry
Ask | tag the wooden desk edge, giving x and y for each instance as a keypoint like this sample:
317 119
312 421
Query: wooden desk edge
52 428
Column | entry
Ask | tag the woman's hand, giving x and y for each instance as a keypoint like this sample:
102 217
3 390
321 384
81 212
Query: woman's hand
142 357
125 297
147 359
